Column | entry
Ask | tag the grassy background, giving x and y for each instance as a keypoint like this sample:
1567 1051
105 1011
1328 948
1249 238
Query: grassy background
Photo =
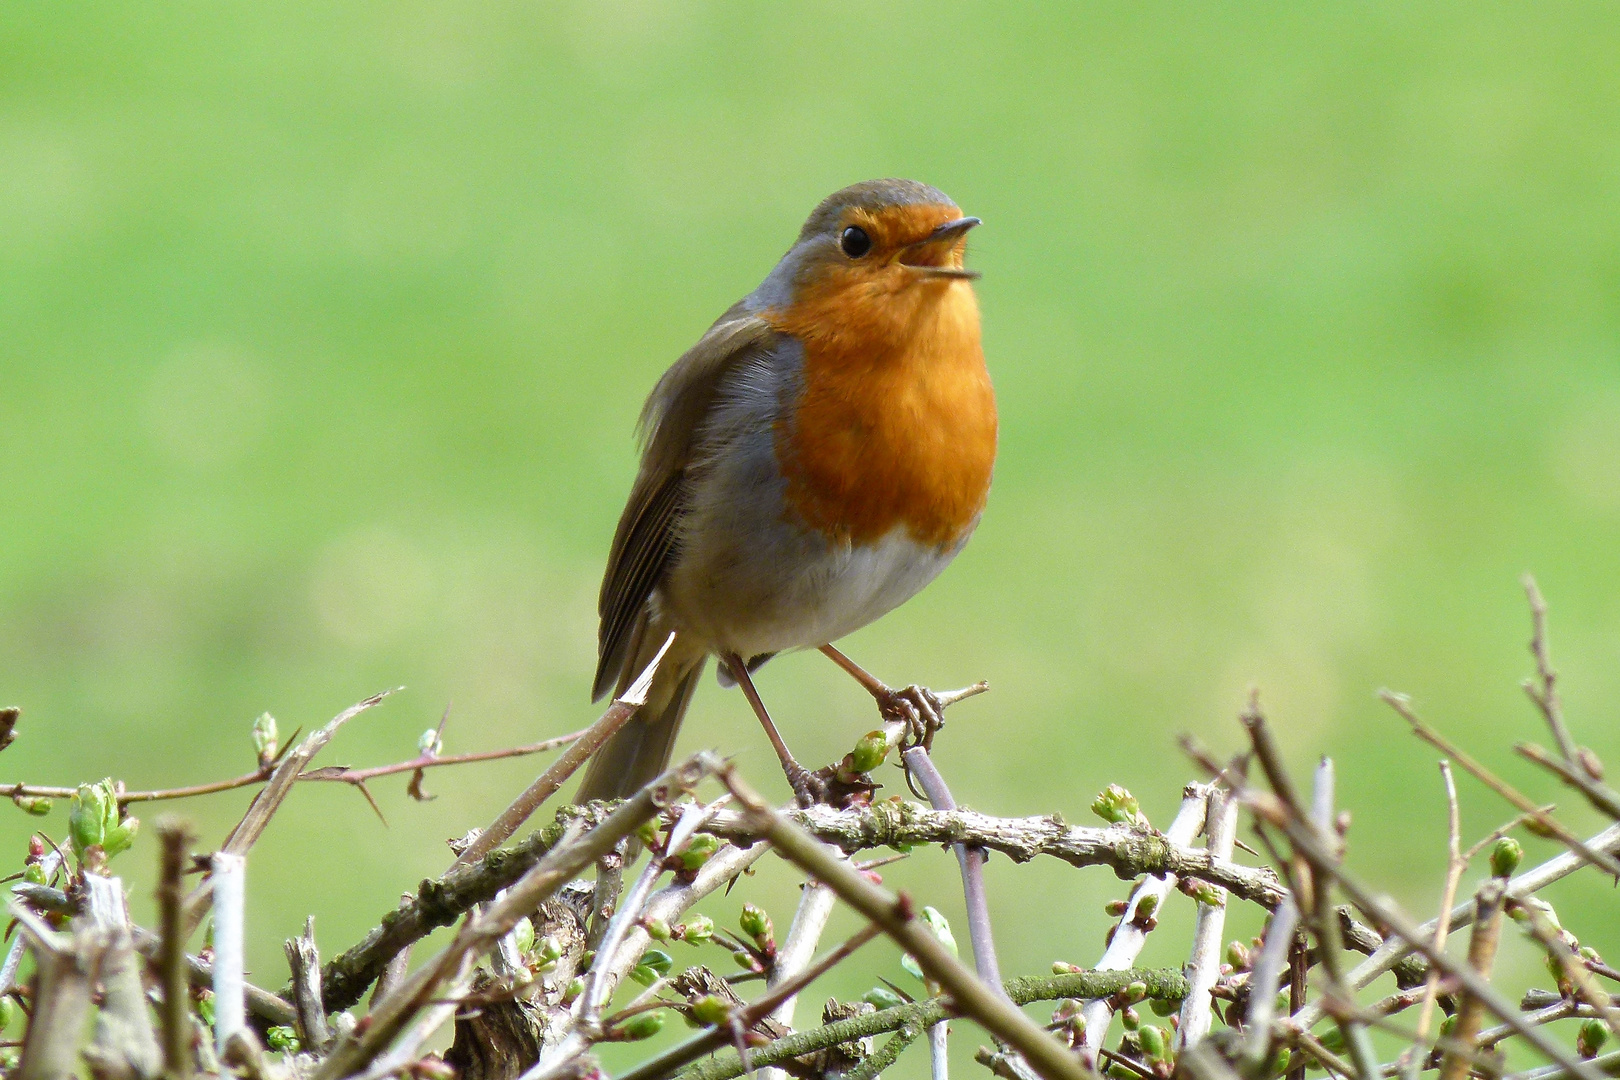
323 329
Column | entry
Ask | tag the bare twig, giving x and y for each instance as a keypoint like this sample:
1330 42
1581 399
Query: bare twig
1545 695
895 915
124 1045
64 969
1599 794
261 1003
173 838
304 960
816 903
549 782
1455 865
1265 979
1130 933
1204 966
1481 956
227 879
1129 852
270 797
1601 859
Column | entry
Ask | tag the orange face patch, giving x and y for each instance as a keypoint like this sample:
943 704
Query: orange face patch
897 424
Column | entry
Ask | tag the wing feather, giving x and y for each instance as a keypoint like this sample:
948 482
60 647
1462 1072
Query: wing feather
672 421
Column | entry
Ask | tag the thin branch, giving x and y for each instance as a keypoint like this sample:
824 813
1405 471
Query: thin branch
173 839
1481 956
1599 794
227 880
549 782
1204 966
895 914
1129 852
1455 865
1601 859
1545 695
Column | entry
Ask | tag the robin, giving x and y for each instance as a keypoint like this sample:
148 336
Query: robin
819 456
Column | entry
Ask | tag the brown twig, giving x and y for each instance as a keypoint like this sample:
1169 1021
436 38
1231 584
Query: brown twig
173 839
549 782
969 994
1545 695
1600 795
1481 956
1403 705
304 960
1455 865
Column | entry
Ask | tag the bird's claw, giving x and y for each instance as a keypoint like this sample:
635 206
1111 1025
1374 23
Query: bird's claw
808 788
919 708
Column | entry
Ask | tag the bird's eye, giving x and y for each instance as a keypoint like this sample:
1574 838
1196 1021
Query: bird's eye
855 242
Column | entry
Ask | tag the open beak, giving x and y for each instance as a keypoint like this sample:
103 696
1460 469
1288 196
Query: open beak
937 245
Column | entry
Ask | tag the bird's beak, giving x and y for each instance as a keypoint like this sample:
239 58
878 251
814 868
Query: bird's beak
937 245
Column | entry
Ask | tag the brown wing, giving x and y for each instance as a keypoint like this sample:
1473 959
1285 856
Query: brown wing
671 421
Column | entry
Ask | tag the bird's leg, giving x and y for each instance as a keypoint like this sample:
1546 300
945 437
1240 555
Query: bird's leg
918 707
808 789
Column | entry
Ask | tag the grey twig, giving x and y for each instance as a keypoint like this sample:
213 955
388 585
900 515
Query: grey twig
1545 695
1204 967
304 960
173 839
1265 979
1128 852
1141 912
227 873
65 968
124 1045
1455 865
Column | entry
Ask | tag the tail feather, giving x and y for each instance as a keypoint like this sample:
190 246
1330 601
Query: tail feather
641 749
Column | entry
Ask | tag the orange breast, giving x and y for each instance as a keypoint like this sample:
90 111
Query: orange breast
897 424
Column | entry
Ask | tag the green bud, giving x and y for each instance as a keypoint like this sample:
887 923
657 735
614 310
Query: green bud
8 1012
698 930
548 949
1116 908
912 968
34 874
1555 968
36 805
756 924
1333 1038
87 820
711 1009
1505 857
657 929
282 1038
10 1057
1237 954
699 850
641 1026
1163 1006
1154 1044
869 752
647 833
265 739
576 987
523 936
1117 806
1129 1017
745 960
941 929
654 966
1145 907
1447 1026
1281 1059
120 837
1116 1071
881 997
1063 967
1590 1039
430 743
1207 894
1134 992
1586 952
205 1007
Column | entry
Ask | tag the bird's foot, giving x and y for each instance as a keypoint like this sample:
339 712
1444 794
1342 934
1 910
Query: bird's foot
919 708
808 787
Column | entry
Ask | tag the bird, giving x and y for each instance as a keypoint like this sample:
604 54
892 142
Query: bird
820 455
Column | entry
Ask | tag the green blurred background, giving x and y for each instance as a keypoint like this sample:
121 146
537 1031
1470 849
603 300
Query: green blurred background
323 329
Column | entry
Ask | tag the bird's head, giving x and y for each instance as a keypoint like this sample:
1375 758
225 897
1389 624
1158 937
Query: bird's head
881 254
